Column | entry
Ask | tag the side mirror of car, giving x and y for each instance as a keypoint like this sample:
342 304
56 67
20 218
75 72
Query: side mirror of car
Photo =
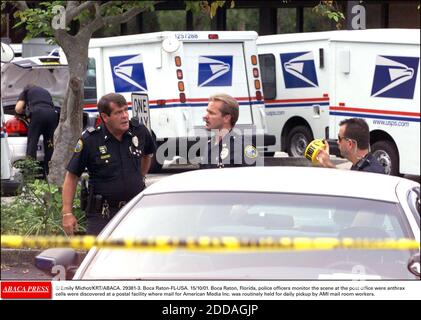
61 263
7 53
414 264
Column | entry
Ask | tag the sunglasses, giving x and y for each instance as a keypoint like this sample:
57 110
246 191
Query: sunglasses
341 138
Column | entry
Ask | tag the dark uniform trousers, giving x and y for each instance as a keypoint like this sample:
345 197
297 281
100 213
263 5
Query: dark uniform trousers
233 150
114 169
39 107
369 164
43 122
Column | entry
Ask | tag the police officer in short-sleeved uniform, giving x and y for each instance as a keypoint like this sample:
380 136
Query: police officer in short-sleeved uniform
232 151
114 167
37 104
228 147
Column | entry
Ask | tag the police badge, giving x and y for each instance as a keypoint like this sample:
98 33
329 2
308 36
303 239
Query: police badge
135 141
224 153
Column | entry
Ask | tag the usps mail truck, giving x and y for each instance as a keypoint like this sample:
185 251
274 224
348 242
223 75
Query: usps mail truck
179 71
376 77
295 74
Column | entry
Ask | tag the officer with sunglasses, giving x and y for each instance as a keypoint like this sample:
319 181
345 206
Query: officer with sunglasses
354 143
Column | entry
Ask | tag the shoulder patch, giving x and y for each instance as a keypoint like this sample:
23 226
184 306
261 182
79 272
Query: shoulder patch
250 152
79 146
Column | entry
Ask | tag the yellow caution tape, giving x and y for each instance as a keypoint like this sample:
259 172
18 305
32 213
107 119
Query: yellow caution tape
313 149
210 244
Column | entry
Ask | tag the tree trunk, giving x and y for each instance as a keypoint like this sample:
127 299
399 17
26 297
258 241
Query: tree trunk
70 128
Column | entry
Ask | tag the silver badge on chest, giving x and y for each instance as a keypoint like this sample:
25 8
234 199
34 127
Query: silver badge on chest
135 141
224 153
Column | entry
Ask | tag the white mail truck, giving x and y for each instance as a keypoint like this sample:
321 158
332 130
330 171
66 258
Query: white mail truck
376 77
295 74
179 71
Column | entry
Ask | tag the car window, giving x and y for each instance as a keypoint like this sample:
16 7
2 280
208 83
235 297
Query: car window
258 214
90 82
252 216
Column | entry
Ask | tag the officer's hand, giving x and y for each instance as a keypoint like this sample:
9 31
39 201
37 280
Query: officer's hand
69 224
323 157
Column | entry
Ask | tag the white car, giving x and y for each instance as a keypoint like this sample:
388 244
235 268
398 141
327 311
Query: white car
264 202
44 71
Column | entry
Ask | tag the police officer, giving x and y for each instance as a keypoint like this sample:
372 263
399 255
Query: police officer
353 142
117 155
36 103
228 147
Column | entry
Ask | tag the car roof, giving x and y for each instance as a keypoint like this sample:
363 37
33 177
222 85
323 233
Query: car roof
305 180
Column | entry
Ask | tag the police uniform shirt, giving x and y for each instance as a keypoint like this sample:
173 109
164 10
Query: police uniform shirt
231 151
368 164
36 97
113 166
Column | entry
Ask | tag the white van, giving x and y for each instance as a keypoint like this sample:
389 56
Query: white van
295 74
180 71
376 77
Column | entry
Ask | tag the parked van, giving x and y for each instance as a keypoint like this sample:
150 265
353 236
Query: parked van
180 71
376 77
44 71
295 74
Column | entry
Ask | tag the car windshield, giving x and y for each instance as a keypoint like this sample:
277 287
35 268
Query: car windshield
251 216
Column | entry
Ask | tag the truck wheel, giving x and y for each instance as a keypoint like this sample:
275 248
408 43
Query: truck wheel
297 141
388 156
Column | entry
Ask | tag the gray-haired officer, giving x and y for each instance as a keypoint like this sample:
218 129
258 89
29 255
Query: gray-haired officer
117 155
229 147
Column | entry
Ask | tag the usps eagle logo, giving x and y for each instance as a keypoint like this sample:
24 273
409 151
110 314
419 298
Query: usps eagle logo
215 71
128 73
299 70
395 77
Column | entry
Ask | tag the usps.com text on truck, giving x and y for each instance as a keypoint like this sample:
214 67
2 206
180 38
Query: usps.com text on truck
376 77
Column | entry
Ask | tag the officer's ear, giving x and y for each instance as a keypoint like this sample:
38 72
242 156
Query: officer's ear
104 117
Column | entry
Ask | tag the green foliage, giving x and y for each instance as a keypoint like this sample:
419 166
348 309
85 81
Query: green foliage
37 210
331 10
37 21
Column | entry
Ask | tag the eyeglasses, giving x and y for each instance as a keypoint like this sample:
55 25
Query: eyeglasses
346 138
340 138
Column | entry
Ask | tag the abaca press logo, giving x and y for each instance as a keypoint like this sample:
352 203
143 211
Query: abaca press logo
128 73
395 77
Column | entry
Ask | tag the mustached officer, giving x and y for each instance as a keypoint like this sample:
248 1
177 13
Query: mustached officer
117 155
228 147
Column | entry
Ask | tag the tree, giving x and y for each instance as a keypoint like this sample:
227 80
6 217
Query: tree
74 23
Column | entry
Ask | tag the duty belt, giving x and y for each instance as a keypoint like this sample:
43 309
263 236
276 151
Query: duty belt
116 203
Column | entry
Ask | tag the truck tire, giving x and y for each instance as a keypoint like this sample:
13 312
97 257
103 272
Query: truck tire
387 154
297 140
